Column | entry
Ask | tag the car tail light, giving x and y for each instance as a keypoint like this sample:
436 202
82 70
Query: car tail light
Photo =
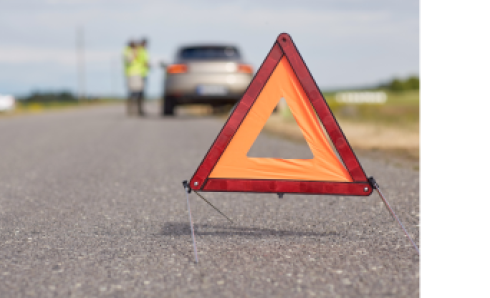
177 68
245 68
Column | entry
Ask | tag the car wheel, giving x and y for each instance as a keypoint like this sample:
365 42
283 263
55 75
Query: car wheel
218 109
168 106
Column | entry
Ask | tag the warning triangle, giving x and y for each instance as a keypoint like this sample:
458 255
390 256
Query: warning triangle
226 166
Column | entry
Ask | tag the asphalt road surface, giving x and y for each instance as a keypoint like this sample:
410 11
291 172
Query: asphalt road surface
92 205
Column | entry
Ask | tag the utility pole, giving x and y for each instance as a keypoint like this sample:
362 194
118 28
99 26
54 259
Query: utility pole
113 77
81 65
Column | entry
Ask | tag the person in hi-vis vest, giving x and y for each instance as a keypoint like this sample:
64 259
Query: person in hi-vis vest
145 60
134 69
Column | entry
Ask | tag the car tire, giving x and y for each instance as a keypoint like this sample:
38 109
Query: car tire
168 106
219 109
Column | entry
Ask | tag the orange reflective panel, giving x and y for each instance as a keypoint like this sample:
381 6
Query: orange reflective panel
325 165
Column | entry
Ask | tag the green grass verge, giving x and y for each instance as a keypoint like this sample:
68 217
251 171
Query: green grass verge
33 107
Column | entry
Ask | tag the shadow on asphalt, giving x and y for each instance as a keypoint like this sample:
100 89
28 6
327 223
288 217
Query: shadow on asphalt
183 228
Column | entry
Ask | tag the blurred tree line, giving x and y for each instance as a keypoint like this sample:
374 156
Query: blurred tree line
410 83
50 97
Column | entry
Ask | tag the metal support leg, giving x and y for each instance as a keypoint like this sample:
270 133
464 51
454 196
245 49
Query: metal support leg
213 206
376 186
192 225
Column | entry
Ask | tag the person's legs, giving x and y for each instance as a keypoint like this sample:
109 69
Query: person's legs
144 87
129 103
135 84
141 99
132 103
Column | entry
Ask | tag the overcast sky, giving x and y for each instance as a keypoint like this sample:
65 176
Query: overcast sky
343 42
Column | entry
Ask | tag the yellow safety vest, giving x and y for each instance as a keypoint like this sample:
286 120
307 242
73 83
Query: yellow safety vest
133 65
144 60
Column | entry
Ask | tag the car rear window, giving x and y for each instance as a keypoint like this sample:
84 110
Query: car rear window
210 52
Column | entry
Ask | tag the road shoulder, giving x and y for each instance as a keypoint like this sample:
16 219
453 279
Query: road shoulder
393 145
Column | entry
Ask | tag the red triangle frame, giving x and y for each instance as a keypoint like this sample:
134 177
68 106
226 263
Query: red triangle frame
284 46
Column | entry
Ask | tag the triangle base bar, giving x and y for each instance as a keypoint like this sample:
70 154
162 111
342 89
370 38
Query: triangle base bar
288 186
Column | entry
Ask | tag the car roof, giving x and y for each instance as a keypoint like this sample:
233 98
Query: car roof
206 45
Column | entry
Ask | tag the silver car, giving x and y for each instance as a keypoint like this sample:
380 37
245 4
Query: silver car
205 74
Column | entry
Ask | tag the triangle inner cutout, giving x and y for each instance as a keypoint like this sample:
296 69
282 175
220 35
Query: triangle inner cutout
266 143
325 165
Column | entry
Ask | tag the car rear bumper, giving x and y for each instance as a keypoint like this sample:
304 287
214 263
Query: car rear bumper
189 85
